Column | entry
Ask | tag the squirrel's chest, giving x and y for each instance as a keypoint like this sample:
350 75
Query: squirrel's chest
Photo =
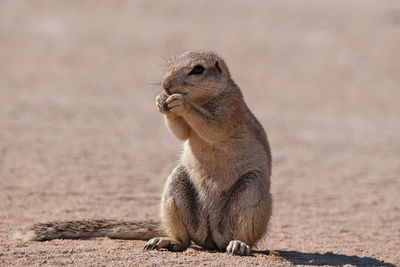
207 157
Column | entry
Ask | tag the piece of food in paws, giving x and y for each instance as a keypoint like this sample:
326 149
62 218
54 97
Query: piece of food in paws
165 106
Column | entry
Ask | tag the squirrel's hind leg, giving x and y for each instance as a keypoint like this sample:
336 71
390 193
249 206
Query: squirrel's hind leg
178 213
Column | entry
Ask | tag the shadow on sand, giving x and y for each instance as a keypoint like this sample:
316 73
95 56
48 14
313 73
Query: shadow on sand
329 258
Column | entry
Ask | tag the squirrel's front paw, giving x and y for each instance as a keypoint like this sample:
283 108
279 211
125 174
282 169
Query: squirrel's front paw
162 106
176 103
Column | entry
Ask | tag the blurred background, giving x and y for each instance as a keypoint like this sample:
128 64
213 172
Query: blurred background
80 135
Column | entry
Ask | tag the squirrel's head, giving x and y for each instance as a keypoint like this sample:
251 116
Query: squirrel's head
196 74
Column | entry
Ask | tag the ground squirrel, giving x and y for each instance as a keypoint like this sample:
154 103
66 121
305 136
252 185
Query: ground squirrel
219 194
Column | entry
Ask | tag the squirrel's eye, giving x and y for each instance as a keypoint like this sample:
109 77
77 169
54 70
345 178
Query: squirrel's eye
197 70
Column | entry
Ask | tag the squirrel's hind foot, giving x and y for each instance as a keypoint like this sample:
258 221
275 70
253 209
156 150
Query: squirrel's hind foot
237 247
164 243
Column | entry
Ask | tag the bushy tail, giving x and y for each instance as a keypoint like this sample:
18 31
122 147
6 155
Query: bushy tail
90 228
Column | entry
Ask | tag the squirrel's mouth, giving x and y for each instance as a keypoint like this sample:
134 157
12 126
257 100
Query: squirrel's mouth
167 91
174 92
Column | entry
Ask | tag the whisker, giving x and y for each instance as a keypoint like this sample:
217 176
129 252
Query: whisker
152 85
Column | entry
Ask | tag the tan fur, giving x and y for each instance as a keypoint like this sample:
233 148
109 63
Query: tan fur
218 196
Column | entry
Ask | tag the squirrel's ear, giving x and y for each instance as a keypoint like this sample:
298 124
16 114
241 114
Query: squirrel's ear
218 67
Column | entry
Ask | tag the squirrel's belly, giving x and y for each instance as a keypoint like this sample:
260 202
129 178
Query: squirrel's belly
209 215
204 234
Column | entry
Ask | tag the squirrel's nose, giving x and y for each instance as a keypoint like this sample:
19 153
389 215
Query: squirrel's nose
167 83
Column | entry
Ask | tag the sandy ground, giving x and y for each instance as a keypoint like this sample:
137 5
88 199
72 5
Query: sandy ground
80 136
